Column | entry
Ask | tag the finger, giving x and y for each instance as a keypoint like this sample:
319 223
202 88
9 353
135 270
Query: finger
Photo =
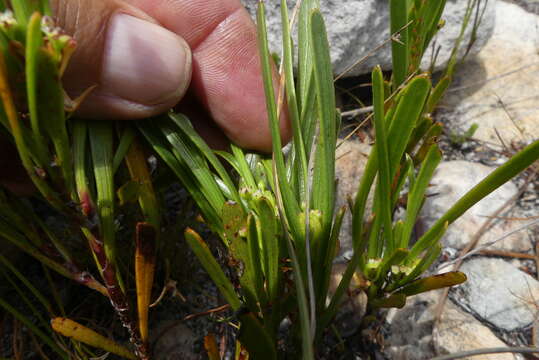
141 68
226 66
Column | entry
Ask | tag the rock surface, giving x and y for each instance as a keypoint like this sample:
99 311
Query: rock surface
351 160
175 342
529 5
451 181
459 331
499 293
499 88
414 336
356 27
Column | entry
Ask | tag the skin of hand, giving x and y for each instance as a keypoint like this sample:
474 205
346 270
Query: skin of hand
145 56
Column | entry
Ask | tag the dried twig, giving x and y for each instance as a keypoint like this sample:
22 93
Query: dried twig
510 254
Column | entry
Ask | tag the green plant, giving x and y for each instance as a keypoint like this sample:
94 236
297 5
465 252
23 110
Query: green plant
460 138
263 218
74 166
275 214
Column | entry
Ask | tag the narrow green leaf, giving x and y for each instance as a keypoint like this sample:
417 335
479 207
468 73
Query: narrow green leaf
255 262
101 149
419 132
34 42
384 173
180 169
257 341
305 60
289 202
196 163
429 139
430 17
209 263
406 116
270 245
230 159
243 169
300 175
323 186
437 93
126 138
497 178
398 11
187 128
47 112
22 10
21 141
417 192
306 336
406 172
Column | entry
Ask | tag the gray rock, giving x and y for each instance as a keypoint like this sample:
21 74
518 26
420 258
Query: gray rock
497 90
415 336
499 293
451 181
356 27
175 341
410 329
529 5
459 331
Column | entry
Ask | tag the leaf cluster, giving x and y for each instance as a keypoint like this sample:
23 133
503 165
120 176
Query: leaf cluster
275 214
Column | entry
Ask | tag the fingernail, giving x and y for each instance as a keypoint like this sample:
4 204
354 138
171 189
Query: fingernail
144 62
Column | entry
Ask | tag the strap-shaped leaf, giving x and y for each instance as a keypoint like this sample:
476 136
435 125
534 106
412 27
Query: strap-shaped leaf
433 283
271 245
180 169
406 116
196 163
323 186
101 149
417 192
88 336
398 12
384 173
290 204
187 128
47 112
497 178
204 255
299 167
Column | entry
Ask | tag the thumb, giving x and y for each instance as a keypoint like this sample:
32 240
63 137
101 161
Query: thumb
140 68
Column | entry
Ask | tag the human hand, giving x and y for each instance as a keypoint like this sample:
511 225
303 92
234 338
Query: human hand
146 55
